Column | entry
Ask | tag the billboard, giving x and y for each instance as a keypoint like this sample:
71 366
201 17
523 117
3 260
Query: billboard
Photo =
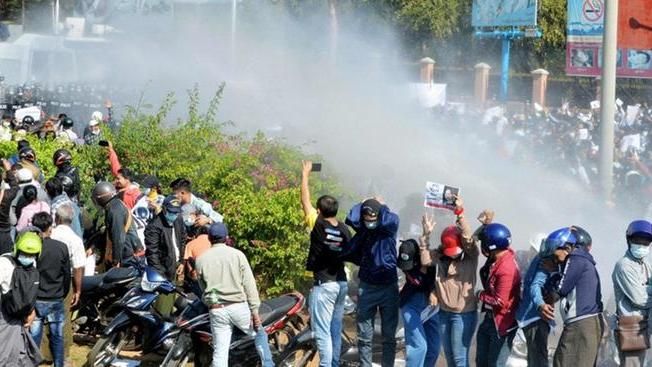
584 38
504 13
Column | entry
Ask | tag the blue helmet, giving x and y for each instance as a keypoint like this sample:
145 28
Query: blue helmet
560 238
639 228
495 236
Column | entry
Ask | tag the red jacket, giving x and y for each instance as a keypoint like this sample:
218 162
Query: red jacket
502 291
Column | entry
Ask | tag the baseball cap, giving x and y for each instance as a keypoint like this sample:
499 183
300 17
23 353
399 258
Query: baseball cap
172 204
217 231
407 255
24 175
371 207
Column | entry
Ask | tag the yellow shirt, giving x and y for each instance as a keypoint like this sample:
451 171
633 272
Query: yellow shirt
311 218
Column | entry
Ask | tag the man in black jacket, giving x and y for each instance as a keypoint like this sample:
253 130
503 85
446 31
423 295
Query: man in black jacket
122 238
8 196
165 239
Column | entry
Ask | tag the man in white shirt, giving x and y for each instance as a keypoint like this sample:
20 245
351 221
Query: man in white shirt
63 232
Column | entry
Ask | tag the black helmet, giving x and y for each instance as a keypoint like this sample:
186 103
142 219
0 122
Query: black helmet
582 236
67 123
28 120
61 156
66 184
27 153
103 192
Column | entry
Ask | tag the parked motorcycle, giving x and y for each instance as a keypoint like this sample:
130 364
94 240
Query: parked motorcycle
280 318
99 294
302 349
138 322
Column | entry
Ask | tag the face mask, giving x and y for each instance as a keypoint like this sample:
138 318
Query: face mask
95 131
6 123
371 225
639 251
171 217
189 221
26 260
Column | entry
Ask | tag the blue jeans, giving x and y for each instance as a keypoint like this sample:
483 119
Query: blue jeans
421 339
326 306
492 350
51 313
457 331
372 298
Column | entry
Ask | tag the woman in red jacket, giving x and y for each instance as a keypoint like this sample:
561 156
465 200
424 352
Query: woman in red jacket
501 281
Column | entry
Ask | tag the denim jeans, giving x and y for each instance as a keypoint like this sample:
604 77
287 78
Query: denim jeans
421 339
222 322
492 349
52 314
372 298
326 306
457 331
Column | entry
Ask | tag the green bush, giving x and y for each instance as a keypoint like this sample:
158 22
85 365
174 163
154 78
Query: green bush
253 182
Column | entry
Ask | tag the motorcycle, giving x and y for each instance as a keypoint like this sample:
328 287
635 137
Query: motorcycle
138 323
279 316
99 294
302 349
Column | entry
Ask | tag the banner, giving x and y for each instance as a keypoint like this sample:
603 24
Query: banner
504 13
584 43
440 196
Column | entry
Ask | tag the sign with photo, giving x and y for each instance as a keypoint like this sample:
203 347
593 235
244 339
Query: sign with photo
440 196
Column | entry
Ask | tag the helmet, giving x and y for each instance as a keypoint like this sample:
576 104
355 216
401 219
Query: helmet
61 156
28 120
451 244
27 153
171 204
102 193
66 184
582 237
639 228
67 123
495 236
142 213
29 243
560 238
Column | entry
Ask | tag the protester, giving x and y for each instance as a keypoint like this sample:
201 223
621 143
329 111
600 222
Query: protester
94 133
33 206
206 215
329 241
128 191
581 301
55 270
231 295
65 130
122 239
631 279
456 261
59 198
422 337
165 239
27 160
18 272
67 173
8 192
534 315
501 282
375 229
14 159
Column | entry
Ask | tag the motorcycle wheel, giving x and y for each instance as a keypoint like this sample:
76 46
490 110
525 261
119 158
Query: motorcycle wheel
184 357
106 350
299 357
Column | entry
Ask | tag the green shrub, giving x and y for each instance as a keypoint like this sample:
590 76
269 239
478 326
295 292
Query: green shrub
253 182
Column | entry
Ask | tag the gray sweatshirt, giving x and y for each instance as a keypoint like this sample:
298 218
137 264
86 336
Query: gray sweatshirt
226 277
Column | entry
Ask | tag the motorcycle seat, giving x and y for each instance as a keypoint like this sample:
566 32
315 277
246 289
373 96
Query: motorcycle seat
119 276
92 282
273 309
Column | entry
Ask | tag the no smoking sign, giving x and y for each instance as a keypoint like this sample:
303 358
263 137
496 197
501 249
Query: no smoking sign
593 10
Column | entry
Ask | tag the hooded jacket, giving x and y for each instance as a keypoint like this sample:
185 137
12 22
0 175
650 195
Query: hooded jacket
533 284
632 286
124 241
159 244
579 287
502 291
375 250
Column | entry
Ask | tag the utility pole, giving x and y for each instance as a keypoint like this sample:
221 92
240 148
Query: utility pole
608 96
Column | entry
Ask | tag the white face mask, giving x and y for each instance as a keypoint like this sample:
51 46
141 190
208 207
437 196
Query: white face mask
6 123
639 251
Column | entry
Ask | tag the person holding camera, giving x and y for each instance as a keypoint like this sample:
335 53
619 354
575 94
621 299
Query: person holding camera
329 239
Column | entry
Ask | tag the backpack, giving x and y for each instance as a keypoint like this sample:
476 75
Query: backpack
19 302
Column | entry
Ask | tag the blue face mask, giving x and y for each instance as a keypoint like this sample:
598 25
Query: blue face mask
371 225
171 217
639 251
25 260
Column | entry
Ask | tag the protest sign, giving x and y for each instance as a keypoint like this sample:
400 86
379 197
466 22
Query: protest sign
440 196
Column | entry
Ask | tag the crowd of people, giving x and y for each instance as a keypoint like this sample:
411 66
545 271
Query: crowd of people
567 140
562 276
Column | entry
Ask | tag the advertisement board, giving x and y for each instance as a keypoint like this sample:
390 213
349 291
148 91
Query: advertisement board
504 13
584 38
